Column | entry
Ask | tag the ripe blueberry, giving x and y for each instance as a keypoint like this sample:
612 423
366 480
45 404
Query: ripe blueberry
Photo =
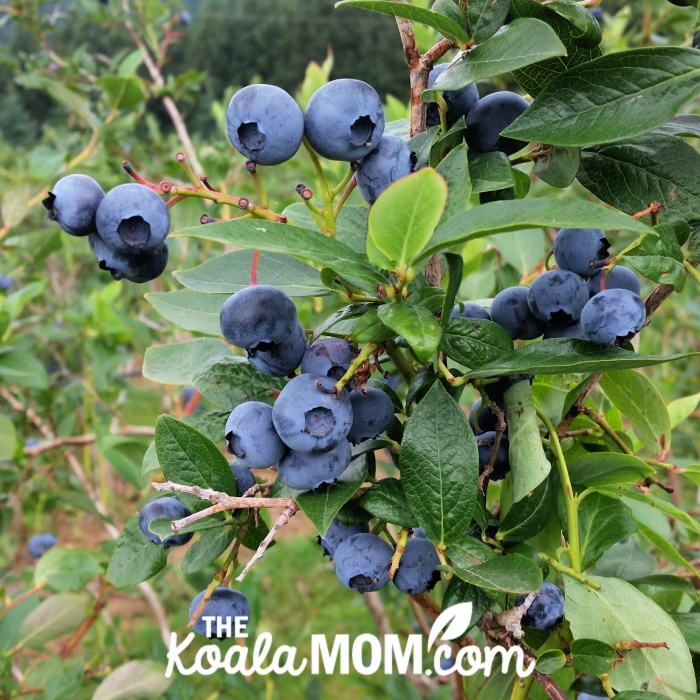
618 278
265 124
167 507
244 479
581 250
344 120
613 316
223 605
511 311
485 442
362 562
132 218
470 310
573 330
372 412
331 357
388 162
73 204
489 117
338 532
251 436
496 391
39 544
481 419
134 267
458 102
557 297
305 472
256 316
309 416
547 610
280 359
6 283
417 569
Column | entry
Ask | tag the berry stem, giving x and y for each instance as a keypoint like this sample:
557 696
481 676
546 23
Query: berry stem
442 110
254 269
691 270
257 181
356 364
335 191
562 568
521 687
328 217
401 362
607 429
215 583
400 549
352 183
182 160
574 547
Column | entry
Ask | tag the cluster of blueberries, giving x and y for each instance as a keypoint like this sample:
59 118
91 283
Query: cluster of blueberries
575 301
126 228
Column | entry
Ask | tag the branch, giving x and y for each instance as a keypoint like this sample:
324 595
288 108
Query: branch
89 439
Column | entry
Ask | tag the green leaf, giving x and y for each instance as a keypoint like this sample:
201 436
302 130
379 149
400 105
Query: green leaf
403 219
567 356
528 516
207 548
660 258
66 569
592 656
457 591
542 213
193 311
654 168
666 548
490 172
439 466
604 468
350 226
557 165
522 42
682 125
177 363
8 438
22 369
603 521
666 581
689 625
368 328
680 409
189 457
474 342
485 18
135 558
467 552
455 169
135 679
620 612
306 245
448 28
54 617
550 661
346 312
614 97
230 272
640 401
387 500
123 92
587 30
511 573
230 381
528 463
322 505
416 324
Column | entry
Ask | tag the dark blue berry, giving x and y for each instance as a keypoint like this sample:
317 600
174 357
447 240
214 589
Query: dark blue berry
244 479
338 532
362 562
459 102
496 391
581 250
485 442
618 278
134 267
251 436
280 359
387 163
223 605
309 416
547 610
511 311
331 357
573 330
167 507
417 572
557 297
6 283
39 544
481 419
344 120
613 316
470 310
73 204
491 115
305 472
372 412
264 124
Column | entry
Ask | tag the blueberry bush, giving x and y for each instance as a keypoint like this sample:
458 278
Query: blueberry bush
465 353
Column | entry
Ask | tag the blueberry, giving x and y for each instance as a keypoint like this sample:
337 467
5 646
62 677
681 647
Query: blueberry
338 532
588 696
618 278
305 472
224 604
344 120
134 267
419 532
185 18
481 419
265 124
489 117
167 507
597 12
581 250
680 3
362 562
132 218
251 436
485 442
331 357
6 283
511 311
557 297
32 442
73 204
257 316
372 412
309 416
280 359
244 479
470 310
613 316
496 391
547 610
388 162
417 571
458 102
39 544
573 330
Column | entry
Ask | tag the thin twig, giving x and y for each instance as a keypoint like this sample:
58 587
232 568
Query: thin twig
89 439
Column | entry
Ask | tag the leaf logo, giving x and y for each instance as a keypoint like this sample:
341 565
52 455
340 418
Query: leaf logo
452 623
